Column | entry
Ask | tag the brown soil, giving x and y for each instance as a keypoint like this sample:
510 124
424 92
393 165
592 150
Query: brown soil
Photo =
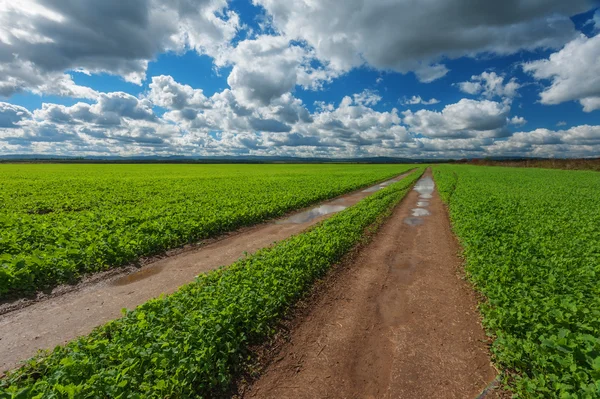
28 326
398 322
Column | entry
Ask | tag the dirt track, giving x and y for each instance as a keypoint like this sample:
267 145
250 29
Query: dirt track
59 319
398 321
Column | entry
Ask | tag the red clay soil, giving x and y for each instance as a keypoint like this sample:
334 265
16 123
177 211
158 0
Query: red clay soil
399 321
61 318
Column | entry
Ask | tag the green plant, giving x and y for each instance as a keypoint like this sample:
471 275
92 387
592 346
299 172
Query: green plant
193 342
58 222
531 239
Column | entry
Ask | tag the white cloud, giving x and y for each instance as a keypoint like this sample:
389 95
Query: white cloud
391 35
596 20
574 72
109 110
167 93
517 120
20 76
367 97
490 85
11 115
429 73
118 37
414 100
464 119
267 67
578 141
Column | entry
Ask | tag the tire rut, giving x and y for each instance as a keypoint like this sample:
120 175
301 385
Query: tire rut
399 322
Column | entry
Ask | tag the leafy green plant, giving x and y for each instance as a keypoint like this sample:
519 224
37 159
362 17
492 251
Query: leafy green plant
531 239
193 342
60 221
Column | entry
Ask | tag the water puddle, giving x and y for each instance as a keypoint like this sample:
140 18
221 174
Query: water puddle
312 214
336 205
417 212
381 186
413 221
372 189
138 275
424 187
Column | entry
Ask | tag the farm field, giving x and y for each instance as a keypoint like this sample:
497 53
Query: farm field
194 341
531 242
61 221
531 239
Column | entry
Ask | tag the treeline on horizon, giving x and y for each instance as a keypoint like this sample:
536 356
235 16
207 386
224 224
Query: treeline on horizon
568 164
547 163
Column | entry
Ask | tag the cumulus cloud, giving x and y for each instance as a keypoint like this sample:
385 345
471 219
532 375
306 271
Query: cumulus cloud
17 76
596 20
11 115
415 100
574 73
464 119
490 85
578 141
109 110
113 36
167 93
266 67
367 97
392 36
517 120
119 122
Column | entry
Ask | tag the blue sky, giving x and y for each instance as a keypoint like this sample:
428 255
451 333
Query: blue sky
453 79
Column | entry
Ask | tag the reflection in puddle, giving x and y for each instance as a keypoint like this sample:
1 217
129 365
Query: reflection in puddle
420 212
381 185
424 187
138 275
336 205
413 221
311 214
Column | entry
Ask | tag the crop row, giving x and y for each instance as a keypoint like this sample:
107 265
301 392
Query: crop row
194 341
59 221
531 239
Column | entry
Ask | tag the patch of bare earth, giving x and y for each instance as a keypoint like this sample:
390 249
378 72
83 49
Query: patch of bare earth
398 321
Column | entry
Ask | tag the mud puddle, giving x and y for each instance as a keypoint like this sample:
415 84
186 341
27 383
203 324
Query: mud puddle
424 188
336 205
312 214
138 276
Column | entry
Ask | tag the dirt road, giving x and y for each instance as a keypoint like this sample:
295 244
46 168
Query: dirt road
397 322
57 320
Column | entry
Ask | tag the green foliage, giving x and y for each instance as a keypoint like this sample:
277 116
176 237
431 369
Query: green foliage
532 244
59 221
193 342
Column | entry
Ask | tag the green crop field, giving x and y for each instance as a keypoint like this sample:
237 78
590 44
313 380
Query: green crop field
532 244
60 221
192 343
